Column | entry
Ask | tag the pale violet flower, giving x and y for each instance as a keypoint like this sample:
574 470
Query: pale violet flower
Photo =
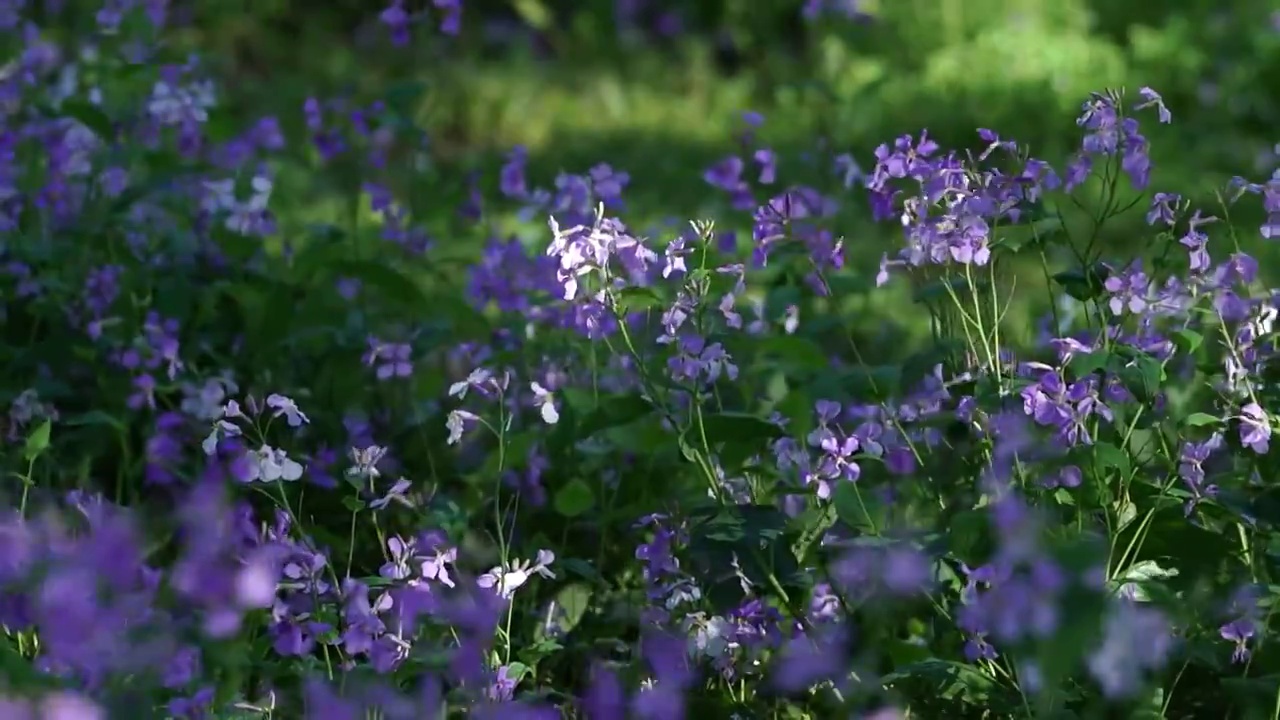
245 218
506 582
475 379
256 582
1255 428
219 195
396 494
175 105
268 464
282 405
205 402
457 424
221 429
365 462
712 637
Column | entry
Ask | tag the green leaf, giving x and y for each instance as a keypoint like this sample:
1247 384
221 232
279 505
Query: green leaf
951 680
516 671
37 441
1140 575
534 13
1200 419
794 352
88 115
918 366
353 503
1089 363
611 412
1143 377
571 604
240 248
634 299
1083 285
392 284
876 382
967 534
581 568
1110 457
942 290
644 436
574 499
734 437
1016 237
94 417
518 446
1188 341
405 96
858 510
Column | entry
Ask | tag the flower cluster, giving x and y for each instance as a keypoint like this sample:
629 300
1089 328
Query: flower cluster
576 461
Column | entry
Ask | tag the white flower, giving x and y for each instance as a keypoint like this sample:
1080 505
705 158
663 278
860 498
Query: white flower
261 186
545 402
505 583
792 320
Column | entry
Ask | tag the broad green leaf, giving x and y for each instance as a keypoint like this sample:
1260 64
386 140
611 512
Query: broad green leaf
1083 285
612 411
516 671
1110 457
574 499
393 284
859 510
536 14
1143 377
88 115
1200 419
38 441
1016 237
793 351
1134 581
94 417
1188 341
734 437
571 604
1088 363
635 299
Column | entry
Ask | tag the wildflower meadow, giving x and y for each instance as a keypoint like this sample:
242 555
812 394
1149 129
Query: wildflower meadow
504 444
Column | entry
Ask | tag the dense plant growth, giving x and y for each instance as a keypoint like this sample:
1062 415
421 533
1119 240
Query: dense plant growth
423 461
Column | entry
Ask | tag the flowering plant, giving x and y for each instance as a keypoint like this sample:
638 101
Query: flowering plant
256 468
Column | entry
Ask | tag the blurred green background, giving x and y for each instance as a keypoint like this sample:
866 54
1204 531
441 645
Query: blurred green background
658 87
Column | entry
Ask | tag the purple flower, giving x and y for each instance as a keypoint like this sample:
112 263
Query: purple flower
397 21
1239 631
503 687
1136 639
391 360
